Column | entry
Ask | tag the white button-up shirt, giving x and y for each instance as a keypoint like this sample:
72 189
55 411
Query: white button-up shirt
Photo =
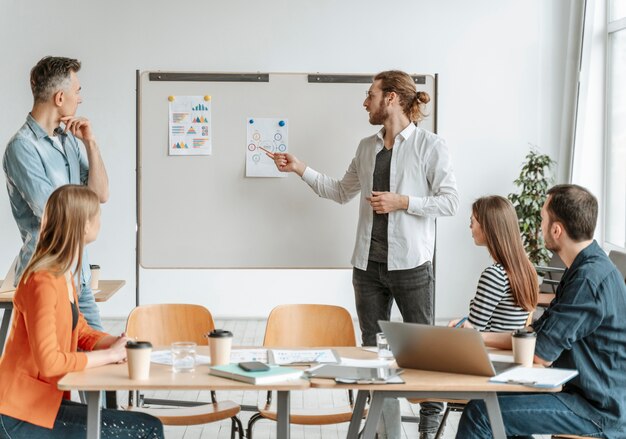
420 169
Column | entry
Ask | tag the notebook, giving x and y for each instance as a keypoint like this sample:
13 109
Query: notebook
276 374
439 348
547 377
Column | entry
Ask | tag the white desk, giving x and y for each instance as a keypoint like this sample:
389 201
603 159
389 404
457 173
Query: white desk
106 289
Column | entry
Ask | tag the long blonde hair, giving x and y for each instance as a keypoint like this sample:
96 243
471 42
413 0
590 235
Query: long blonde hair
498 220
62 235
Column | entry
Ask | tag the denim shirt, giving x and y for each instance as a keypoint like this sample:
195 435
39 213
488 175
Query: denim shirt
584 328
35 166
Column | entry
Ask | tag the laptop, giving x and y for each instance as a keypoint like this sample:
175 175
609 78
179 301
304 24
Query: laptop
9 279
440 349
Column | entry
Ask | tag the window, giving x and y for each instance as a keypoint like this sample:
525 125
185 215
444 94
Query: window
615 165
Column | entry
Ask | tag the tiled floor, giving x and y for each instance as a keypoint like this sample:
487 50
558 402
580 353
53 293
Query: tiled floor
250 333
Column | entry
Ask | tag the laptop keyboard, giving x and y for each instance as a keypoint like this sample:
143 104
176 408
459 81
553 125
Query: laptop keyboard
502 366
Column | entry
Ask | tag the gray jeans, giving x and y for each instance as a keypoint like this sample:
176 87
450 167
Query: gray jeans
375 289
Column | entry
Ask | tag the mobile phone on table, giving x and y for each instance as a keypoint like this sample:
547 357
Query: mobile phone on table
253 366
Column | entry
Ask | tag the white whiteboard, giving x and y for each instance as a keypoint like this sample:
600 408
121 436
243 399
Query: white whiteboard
202 212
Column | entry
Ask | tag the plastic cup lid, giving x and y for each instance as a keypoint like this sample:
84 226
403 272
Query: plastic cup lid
523 332
220 333
131 344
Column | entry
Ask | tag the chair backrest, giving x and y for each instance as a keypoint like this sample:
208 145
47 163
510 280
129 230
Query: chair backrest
619 259
164 324
309 326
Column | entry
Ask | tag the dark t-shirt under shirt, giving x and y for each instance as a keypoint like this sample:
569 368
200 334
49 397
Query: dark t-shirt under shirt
382 175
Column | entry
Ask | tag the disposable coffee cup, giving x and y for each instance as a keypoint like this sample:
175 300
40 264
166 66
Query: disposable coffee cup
95 276
220 342
138 356
524 346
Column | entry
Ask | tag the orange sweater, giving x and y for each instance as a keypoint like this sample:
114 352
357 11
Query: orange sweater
41 348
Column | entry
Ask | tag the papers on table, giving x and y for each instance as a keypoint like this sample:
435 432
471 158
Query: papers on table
280 357
302 356
165 357
241 355
535 376
236 356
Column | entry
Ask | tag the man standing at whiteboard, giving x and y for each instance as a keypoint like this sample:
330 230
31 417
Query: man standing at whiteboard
42 156
405 179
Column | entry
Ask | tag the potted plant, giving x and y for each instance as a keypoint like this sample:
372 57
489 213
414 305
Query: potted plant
533 181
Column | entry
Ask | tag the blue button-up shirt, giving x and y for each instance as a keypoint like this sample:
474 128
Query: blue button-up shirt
584 328
35 166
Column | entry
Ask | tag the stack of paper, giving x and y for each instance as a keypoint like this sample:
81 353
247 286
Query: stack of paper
302 356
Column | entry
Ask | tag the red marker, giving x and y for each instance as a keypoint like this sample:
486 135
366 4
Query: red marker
271 154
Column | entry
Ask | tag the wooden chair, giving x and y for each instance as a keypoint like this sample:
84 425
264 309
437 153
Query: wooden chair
307 326
163 324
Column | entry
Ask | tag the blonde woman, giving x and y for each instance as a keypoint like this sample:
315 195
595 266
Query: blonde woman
507 290
48 329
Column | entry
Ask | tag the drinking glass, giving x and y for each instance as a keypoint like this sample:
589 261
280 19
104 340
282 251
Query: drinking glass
183 356
383 346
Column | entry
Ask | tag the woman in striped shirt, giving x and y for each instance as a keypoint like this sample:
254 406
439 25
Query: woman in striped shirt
507 290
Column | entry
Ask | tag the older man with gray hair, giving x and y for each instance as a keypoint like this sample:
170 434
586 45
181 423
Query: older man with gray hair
44 155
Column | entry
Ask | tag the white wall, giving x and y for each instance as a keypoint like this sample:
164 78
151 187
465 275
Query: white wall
500 64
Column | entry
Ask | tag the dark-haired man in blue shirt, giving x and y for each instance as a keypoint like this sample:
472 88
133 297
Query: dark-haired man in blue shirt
584 328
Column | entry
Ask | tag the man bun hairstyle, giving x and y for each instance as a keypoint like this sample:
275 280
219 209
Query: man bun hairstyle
575 208
411 100
51 74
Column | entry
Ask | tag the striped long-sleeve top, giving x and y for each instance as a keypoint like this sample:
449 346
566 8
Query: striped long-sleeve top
493 308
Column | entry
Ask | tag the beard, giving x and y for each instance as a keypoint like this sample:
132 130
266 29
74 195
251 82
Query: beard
380 116
551 245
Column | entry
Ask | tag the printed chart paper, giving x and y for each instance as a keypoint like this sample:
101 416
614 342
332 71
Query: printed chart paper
270 134
190 125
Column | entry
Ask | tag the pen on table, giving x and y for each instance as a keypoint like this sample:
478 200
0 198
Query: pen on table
271 154
458 325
